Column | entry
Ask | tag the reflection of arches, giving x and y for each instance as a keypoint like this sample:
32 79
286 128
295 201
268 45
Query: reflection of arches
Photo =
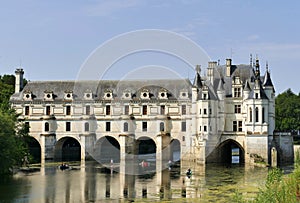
228 152
67 149
107 148
175 150
34 148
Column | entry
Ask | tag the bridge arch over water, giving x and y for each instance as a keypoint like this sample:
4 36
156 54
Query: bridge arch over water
228 152
107 148
67 149
34 148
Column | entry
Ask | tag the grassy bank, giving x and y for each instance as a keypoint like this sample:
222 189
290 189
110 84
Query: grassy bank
278 187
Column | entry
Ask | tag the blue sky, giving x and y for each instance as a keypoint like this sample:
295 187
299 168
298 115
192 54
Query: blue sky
52 39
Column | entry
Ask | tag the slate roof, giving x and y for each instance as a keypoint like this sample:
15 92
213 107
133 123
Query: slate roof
98 88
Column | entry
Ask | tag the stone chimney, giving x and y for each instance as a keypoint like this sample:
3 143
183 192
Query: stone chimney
228 67
210 70
19 80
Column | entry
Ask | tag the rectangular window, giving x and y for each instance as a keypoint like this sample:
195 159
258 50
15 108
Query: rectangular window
162 109
183 109
26 110
205 128
234 126
107 126
107 110
125 127
237 92
183 126
144 126
68 110
210 111
256 114
237 108
162 126
68 126
144 110
240 127
263 114
200 111
204 96
87 110
48 110
27 126
126 110
205 111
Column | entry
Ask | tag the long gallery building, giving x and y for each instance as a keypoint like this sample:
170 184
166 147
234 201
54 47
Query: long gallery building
229 111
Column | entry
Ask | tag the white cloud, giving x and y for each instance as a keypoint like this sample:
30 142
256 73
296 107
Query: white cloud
106 8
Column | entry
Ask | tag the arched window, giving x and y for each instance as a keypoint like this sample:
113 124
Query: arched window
250 114
125 127
46 127
162 126
86 127
256 115
263 114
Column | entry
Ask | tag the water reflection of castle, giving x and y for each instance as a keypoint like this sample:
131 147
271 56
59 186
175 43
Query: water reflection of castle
232 106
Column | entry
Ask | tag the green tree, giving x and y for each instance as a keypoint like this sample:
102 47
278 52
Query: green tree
287 111
12 132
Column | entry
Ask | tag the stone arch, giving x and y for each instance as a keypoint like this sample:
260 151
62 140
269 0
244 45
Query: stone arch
228 152
107 148
34 148
146 149
67 149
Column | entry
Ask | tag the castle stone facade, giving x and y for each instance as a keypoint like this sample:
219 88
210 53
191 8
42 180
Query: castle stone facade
227 113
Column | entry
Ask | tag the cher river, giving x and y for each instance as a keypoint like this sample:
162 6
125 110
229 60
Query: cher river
91 183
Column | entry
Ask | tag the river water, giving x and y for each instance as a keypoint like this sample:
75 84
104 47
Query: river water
90 182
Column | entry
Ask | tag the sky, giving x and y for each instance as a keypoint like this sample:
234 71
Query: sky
52 40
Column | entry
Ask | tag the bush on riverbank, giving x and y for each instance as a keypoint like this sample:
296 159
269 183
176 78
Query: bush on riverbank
278 188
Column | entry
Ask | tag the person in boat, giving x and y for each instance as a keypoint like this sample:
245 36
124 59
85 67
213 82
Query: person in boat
64 166
144 164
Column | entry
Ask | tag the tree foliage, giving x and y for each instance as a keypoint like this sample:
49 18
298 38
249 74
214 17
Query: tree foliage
287 111
12 132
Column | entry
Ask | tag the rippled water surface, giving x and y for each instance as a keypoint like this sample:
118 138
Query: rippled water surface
91 183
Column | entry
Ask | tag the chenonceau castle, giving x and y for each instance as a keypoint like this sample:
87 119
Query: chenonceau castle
226 115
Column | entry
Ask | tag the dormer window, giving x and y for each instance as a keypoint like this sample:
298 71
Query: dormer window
68 95
48 95
108 95
163 94
183 94
126 95
145 94
88 95
27 96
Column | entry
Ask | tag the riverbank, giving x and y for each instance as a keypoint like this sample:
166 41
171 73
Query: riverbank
278 187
